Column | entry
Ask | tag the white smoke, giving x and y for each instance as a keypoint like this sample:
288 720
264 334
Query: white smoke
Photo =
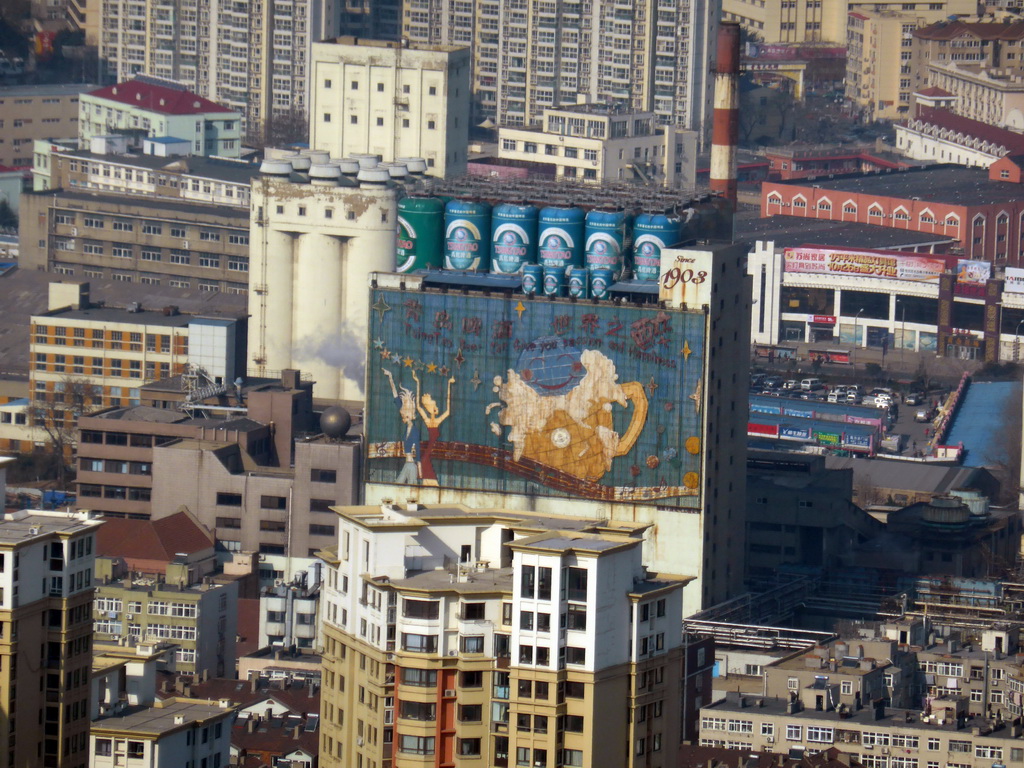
345 350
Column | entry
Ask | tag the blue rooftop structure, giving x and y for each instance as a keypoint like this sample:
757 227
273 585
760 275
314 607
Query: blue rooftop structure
981 419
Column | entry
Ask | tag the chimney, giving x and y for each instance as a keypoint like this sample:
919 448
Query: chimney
250 725
296 731
725 128
254 683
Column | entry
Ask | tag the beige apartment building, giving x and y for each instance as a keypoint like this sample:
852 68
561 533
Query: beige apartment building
115 350
989 41
393 100
140 239
596 143
879 72
30 112
986 94
825 21
46 591
455 635
650 56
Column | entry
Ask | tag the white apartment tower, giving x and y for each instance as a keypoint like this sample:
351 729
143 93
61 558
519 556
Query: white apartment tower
251 56
653 55
393 100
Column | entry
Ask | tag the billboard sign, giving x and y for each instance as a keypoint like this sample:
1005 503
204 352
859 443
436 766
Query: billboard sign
685 277
1014 280
857 441
795 433
762 430
503 394
850 263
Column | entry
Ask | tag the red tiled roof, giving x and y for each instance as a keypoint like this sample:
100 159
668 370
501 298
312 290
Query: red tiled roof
933 90
295 696
984 30
158 98
156 540
944 119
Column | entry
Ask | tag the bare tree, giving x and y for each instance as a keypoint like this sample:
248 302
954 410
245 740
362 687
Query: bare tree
57 413
285 128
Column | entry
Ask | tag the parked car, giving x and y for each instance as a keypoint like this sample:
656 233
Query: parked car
853 397
791 384
772 382
924 415
914 398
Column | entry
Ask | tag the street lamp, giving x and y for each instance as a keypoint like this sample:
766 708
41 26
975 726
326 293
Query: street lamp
1016 342
856 334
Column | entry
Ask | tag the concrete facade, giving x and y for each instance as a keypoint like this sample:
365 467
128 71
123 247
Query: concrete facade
28 112
46 591
477 650
392 100
595 144
253 58
988 95
136 239
653 57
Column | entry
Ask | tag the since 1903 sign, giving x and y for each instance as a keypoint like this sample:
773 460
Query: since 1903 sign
511 395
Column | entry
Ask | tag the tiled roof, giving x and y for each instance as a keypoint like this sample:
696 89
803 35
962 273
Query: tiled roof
946 30
294 695
943 119
158 540
933 90
159 98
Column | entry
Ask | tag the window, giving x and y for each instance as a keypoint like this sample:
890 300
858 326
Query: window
572 757
576 617
470 713
416 745
768 729
420 609
574 655
576 584
419 643
321 530
323 475
415 710
472 644
469 747
421 678
794 732
819 734
229 499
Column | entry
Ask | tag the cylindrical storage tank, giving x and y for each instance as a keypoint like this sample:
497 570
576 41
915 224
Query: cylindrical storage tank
349 166
467 235
513 237
560 238
324 174
605 232
416 165
396 171
945 510
276 167
420 233
375 177
651 233
366 161
579 284
275 271
301 163
318 156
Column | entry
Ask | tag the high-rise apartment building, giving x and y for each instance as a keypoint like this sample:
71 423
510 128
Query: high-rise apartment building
652 55
252 57
393 100
46 589
454 635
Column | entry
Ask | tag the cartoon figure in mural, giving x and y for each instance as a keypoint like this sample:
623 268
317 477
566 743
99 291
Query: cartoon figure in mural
561 411
411 439
432 419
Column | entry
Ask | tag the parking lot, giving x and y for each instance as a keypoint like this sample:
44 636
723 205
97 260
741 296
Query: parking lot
903 406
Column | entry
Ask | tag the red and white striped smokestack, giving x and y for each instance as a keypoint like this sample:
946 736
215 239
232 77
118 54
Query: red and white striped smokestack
725 129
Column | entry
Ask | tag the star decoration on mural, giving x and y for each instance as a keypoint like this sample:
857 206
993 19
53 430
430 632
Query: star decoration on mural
651 386
380 306
686 351
459 358
444 371
385 354
476 381
407 362
378 343
697 395
520 309
431 367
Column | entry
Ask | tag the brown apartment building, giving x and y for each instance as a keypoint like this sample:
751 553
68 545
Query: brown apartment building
140 239
30 112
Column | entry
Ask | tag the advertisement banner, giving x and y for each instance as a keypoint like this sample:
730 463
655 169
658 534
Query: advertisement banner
888 266
968 271
499 394
800 413
857 441
827 438
795 433
765 430
867 421
760 407
1014 280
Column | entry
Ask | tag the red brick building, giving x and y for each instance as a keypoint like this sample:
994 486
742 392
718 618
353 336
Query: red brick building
787 163
982 209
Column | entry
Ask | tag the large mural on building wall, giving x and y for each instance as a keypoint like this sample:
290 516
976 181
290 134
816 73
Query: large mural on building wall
504 394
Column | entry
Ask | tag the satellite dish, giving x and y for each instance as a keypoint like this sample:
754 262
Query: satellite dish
335 422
